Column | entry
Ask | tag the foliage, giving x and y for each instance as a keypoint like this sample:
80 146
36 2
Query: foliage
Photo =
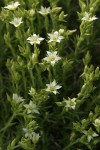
49 75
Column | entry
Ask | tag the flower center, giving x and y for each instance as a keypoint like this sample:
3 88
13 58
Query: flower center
52 88
52 57
71 103
55 37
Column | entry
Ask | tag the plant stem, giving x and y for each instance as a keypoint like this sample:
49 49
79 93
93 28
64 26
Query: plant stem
46 23
32 77
24 82
39 76
71 144
50 74
8 123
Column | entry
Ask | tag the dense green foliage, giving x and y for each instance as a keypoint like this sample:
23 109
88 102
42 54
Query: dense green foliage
50 86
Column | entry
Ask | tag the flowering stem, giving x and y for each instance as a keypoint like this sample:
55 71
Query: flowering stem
39 76
50 74
24 82
54 72
32 77
32 27
46 23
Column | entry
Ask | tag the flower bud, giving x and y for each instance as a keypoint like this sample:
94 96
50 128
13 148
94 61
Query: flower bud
31 12
61 31
56 9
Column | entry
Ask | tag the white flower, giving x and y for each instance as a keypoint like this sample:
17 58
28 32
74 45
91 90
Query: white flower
88 18
12 5
70 103
44 11
90 134
31 108
52 57
93 18
17 98
16 21
35 137
28 134
55 37
53 87
31 135
34 39
32 91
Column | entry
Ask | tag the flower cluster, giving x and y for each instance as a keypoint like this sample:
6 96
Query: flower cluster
45 61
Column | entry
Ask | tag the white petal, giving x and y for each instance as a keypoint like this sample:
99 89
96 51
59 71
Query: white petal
36 111
95 134
25 105
85 132
31 43
54 83
55 92
46 58
48 52
58 86
29 111
29 38
73 107
41 39
58 40
38 42
58 58
55 52
56 32
52 63
24 129
73 99
26 135
89 138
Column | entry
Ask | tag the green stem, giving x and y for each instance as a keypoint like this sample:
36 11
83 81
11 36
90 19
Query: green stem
17 146
46 23
24 82
12 50
39 76
50 74
54 72
32 77
8 123
71 144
